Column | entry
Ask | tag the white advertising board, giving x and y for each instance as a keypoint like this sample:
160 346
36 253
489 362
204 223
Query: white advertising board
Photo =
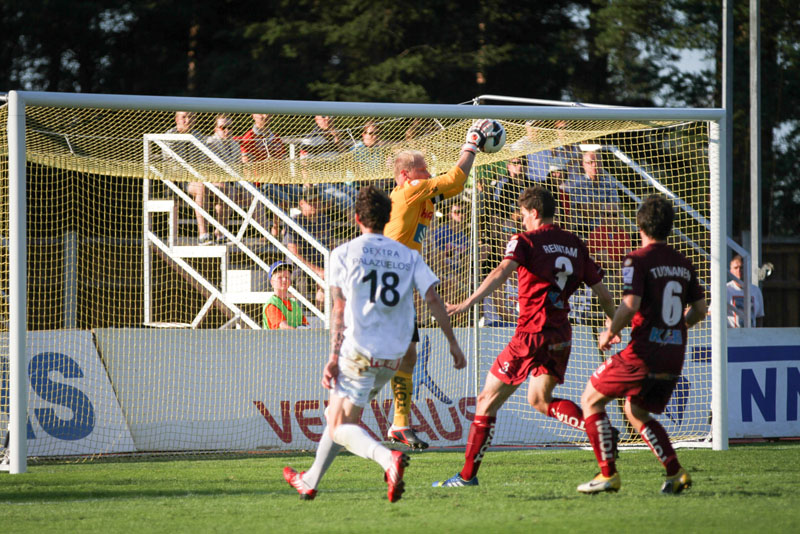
763 382
72 407
248 390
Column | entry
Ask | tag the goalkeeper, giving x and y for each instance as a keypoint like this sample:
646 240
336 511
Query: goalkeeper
413 203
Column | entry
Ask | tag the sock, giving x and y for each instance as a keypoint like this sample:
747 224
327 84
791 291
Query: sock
598 428
359 443
567 412
481 432
326 453
657 439
402 388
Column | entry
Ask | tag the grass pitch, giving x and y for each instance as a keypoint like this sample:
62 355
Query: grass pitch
750 488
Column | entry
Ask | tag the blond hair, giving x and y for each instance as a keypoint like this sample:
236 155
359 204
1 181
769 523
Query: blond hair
406 160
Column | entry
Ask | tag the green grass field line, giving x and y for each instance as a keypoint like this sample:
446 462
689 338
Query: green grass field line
750 488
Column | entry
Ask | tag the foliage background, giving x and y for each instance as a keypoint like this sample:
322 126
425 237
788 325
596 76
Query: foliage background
438 51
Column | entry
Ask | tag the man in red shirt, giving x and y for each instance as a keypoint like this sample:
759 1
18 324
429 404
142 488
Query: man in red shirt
608 242
551 264
259 143
260 146
658 283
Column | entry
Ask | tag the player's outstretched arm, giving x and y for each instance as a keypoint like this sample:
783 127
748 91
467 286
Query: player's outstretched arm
436 306
475 140
627 309
331 371
465 161
697 312
496 278
605 299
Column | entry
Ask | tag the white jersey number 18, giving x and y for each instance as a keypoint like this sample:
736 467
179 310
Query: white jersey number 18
386 291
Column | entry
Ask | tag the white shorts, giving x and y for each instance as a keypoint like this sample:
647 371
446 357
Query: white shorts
361 378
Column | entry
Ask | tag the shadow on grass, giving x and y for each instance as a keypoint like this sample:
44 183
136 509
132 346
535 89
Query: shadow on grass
66 494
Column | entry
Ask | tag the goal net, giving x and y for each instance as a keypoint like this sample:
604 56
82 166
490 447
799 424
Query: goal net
152 225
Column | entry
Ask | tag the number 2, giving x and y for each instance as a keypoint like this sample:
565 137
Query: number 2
562 262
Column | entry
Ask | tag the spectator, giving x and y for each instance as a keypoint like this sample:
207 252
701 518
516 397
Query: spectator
557 183
539 159
450 251
185 150
326 142
608 242
451 236
736 298
314 221
501 217
260 145
420 128
590 193
366 151
508 188
481 194
530 142
191 155
370 154
228 150
569 154
222 143
282 311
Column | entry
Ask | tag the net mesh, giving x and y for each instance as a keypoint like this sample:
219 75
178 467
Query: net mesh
142 339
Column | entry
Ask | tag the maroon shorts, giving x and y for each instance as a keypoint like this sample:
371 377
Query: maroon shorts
626 375
540 353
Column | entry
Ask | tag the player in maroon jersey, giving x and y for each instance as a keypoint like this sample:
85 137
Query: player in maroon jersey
658 283
551 263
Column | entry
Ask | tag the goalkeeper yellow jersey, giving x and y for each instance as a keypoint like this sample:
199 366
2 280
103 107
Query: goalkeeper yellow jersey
413 202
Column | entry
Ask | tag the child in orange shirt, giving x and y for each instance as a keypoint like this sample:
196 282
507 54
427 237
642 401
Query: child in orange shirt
282 311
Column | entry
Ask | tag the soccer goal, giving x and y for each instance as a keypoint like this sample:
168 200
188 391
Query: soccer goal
139 233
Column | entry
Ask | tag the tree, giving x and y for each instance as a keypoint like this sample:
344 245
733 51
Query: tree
780 83
443 51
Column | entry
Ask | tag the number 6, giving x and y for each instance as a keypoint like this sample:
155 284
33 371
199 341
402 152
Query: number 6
671 306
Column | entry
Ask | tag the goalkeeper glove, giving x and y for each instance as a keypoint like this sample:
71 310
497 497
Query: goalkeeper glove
477 135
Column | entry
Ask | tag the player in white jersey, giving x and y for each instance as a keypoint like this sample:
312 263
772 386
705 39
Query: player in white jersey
376 276
372 282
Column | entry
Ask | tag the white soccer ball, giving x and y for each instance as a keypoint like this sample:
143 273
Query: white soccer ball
496 138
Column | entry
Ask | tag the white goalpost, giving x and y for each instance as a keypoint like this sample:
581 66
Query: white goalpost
166 351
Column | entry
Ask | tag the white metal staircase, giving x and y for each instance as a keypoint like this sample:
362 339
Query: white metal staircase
235 286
